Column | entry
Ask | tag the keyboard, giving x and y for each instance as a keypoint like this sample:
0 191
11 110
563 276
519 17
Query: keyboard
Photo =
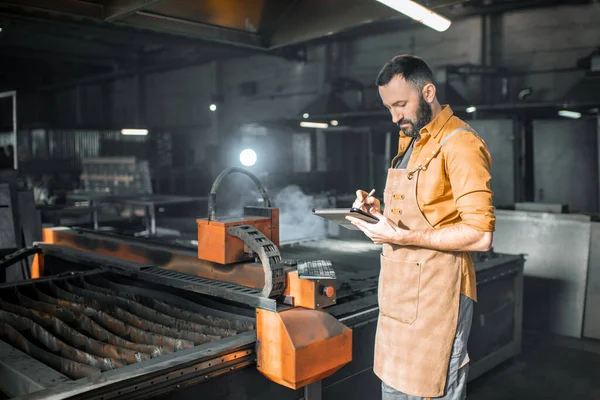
321 269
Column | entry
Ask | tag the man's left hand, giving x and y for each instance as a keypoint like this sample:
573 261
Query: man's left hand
383 231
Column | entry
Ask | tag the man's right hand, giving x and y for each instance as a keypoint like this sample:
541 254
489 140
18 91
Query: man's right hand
370 203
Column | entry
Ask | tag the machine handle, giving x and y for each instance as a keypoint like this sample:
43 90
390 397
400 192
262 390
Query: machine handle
212 197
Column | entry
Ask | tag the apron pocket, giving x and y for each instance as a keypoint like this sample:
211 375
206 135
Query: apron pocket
398 291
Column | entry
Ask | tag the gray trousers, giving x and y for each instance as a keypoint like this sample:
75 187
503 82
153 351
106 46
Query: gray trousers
456 380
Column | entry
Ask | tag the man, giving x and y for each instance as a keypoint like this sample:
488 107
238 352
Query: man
438 207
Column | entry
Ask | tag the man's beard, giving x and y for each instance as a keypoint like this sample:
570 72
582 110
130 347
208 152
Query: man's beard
423 118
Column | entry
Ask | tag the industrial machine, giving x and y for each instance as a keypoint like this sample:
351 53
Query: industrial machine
107 316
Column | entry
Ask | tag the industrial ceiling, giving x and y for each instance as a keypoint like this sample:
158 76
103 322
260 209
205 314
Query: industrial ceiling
45 43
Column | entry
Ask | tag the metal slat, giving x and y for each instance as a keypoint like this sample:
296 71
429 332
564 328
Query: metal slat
150 314
124 330
83 323
177 307
72 369
58 346
164 312
73 337
120 321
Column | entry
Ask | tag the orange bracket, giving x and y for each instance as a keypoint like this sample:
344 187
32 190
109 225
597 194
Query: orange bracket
297 347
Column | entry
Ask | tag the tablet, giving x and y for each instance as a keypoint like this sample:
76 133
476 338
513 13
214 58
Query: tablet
338 215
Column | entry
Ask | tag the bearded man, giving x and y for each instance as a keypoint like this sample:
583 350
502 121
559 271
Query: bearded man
438 208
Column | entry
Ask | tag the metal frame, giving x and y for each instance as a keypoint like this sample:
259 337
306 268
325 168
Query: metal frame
13 94
164 374
16 383
224 290
116 9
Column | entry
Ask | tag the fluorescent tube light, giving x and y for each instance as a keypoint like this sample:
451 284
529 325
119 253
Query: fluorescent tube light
569 114
134 132
471 109
319 125
419 13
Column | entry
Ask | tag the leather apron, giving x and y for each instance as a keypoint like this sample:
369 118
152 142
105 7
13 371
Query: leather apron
419 292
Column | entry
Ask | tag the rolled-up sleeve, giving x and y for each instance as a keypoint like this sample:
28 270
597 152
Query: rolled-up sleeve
468 163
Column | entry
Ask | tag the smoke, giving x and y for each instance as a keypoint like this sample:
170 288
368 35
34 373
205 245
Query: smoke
296 221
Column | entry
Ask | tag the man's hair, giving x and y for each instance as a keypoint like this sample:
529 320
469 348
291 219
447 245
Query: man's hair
412 68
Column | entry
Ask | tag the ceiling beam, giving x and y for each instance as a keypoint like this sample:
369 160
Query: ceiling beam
128 36
312 19
57 7
116 9
196 30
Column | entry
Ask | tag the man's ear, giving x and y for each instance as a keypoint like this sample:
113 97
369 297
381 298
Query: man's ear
429 92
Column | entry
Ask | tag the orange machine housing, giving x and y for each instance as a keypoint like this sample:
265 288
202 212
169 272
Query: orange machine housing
309 293
297 347
217 245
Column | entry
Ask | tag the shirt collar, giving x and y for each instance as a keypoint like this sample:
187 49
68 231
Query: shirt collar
435 126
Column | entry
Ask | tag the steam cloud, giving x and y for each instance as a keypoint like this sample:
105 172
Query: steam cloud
296 221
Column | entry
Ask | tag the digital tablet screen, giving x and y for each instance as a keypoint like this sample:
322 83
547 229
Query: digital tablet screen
338 215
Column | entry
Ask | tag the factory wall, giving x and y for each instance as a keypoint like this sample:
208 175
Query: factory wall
499 138
547 40
566 163
261 88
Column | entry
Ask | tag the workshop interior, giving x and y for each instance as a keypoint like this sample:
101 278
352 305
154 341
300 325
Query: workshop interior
160 162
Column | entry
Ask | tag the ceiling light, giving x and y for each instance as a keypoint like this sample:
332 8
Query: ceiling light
471 109
569 114
419 13
213 107
248 157
318 125
134 132
305 115
334 123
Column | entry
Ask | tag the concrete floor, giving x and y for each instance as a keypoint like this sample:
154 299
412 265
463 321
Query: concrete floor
548 368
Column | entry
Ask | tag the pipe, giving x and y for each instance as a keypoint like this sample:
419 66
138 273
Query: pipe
212 197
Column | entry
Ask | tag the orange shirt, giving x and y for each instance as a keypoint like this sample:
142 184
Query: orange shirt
455 188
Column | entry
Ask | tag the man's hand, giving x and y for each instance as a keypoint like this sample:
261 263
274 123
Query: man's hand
458 237
382 232
370 203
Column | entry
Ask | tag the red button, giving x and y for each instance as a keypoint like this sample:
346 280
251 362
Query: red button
329 291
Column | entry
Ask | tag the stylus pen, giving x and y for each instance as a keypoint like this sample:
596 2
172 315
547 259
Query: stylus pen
366 197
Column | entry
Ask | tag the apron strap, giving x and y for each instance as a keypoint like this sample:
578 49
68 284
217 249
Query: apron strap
435 153
454 132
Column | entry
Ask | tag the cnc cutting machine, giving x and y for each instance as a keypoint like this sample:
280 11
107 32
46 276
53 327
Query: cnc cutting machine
242 316
238 263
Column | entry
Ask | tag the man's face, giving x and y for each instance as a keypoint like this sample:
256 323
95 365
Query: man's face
409 109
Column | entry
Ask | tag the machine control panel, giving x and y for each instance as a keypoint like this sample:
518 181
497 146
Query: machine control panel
311 285
320 269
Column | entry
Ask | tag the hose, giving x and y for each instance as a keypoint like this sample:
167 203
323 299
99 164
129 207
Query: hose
212 197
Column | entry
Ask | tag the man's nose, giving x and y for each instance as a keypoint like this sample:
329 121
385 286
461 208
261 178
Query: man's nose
397 117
